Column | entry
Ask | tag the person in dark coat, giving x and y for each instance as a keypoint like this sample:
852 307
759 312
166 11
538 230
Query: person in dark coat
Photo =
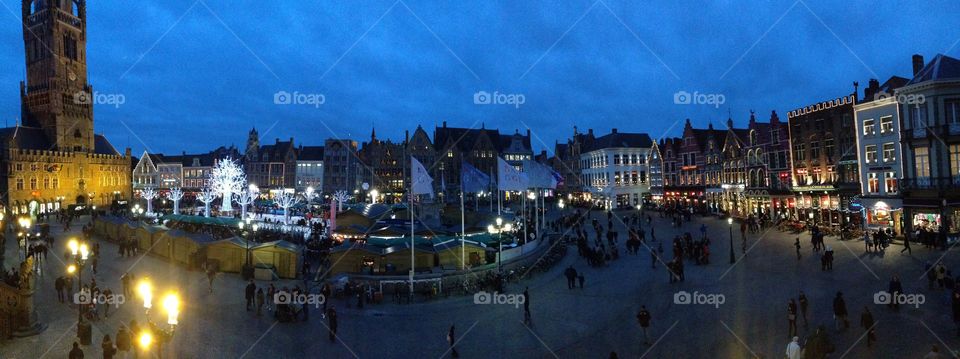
643 317
895 289
451 340
332 322
76 352
571 275
123 340
526 305
866 321
956 308
804 304
251 290
107 345
840 311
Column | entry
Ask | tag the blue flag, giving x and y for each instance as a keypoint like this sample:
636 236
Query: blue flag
472 179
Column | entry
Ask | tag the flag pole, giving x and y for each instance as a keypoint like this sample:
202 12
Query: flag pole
525 221
412 260
463 230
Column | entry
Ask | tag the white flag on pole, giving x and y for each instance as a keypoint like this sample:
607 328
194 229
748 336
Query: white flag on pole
422 183
539 175
509 178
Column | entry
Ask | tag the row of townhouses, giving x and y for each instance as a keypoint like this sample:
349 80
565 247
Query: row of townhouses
889 159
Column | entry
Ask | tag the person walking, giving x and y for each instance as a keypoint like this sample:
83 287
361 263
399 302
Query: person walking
792 317
58 284
210 275
793 348
526 305
108 350
123 342
332 323
643 317
451 340
906 245
866 321
260 301
803 307
249 293
796 243
571 275
895 289
580 279
955 305
840 312
76 352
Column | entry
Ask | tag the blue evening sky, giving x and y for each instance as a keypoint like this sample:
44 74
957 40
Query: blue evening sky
198 74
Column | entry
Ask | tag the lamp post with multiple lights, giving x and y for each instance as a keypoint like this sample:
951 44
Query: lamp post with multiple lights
498 229
156 332
80 253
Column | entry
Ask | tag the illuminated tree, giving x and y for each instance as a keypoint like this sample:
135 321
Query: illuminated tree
149 194
207 195
227 178
286 200
244 198
175 195
340 196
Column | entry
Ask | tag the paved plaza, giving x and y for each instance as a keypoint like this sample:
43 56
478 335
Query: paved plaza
588 323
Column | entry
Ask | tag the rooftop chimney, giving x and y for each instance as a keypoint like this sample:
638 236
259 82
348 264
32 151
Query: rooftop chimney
590 132
917 64
613 130
444 124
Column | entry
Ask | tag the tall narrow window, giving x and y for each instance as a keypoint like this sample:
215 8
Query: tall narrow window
873 183
921 157
890 179
889 152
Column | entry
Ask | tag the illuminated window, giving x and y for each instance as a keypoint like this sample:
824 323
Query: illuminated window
868 127
891 182
873 183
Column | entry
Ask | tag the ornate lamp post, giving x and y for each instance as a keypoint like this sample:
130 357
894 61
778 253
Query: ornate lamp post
24 235
80 253
498 229
733 259
157 332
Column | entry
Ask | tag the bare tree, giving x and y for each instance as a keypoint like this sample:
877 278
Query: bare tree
149 194
175 195
286 200
340 196
244 198
207 195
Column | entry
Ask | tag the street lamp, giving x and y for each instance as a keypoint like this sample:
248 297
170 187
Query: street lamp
498 229
80 253
730 224
171 305
24 234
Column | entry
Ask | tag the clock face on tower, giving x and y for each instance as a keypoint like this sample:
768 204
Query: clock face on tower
72 76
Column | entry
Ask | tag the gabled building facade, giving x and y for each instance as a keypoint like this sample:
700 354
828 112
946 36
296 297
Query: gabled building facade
930 142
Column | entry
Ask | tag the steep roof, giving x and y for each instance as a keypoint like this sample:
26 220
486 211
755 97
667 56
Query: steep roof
942 67
310 153
464 138
103 147
621 140
276 152
28 138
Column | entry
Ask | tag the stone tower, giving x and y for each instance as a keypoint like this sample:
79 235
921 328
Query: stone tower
56 96
253 145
